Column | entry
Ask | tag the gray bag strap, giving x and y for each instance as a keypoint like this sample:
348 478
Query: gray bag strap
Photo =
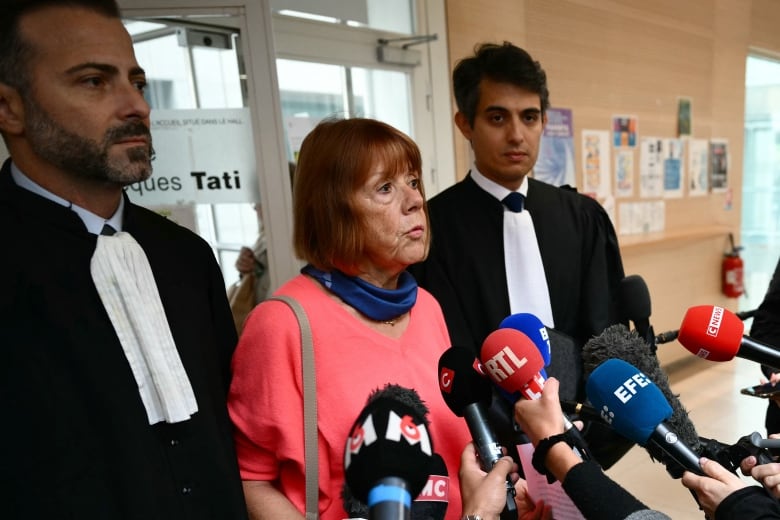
309 407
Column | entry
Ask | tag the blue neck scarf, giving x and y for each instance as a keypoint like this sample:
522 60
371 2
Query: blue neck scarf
372 301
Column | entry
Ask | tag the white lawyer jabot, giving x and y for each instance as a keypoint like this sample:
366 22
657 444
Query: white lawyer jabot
126 286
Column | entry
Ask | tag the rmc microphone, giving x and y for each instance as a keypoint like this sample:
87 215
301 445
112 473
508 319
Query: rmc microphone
637 409
468 395
716 334
388 457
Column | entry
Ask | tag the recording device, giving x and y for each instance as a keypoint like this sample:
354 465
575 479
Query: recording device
637 409
730 456
714 333
636 307
767 390
468 395
513 362
433 500
388 456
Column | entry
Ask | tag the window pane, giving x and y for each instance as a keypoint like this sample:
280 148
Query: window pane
387 15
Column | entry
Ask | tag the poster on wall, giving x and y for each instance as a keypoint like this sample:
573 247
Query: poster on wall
674 170
698 167
719 165
624 131
555 163
651 178
684 117
624 173
596 163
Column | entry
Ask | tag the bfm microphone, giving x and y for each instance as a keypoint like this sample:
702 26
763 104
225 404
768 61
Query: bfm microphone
532 327
636 307
636 408
388 457
433 500
714 333
513 362
468 395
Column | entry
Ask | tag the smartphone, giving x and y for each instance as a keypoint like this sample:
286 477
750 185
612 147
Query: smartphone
766 390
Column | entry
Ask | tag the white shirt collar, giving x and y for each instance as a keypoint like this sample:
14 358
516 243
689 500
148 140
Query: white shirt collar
493 187
93 223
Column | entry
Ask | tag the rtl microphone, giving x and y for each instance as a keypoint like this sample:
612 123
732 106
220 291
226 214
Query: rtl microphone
468 395
513 362
716 334
388 457
637 409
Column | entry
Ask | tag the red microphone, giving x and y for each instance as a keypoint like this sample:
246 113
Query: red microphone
513 362
716 334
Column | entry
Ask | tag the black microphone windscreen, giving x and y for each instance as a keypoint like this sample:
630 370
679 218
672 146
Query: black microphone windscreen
635 298
403 395
388 439
432 502
618 342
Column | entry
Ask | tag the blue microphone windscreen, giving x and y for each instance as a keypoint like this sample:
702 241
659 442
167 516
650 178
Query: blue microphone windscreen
532 327
627 399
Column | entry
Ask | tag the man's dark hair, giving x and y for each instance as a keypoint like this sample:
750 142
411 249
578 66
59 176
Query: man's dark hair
15 53
504 63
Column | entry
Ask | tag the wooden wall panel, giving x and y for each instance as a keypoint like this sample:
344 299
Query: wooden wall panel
609 57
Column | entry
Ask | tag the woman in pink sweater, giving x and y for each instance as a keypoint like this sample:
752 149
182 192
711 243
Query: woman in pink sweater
359 221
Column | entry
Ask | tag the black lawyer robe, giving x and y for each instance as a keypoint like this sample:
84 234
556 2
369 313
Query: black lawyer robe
76 442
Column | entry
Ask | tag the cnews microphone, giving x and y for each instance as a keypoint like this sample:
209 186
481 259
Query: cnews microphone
388 457
714 333
513 362
671 335
468 394
636 409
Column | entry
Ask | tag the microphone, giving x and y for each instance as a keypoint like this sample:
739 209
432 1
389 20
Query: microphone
388 455
617 342
532 327
513 362
637 409
468 394
433 500
635 302
716 334
671 335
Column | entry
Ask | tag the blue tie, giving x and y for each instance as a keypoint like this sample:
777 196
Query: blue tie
514 201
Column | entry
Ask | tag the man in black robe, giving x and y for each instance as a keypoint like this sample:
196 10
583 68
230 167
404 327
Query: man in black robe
94 424
555 255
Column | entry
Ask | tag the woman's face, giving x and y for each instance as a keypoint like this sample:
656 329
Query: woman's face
396 237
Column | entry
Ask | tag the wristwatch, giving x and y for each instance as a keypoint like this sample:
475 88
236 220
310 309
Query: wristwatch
471 517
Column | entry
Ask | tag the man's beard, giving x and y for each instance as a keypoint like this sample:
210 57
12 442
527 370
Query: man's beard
85 158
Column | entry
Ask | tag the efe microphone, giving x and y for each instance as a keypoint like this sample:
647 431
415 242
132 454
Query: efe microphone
387 457
468 394
637 409
716 334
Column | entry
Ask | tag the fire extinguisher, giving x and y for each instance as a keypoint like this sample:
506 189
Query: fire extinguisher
733 274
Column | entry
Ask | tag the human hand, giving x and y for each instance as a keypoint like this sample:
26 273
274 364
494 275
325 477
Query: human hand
245 263
767 474
484 494
714 487
541 418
